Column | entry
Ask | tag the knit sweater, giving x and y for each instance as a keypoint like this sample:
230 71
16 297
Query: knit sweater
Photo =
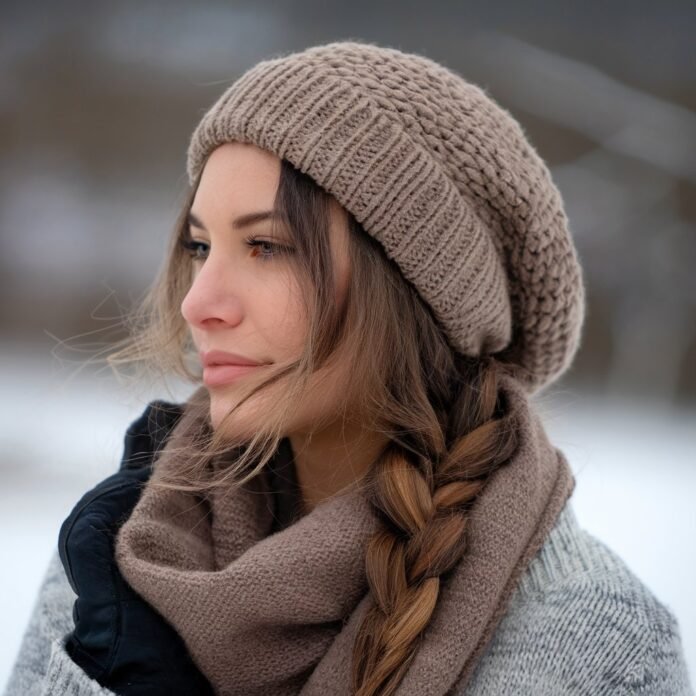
579 622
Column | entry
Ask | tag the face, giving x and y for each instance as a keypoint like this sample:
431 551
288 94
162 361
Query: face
244 298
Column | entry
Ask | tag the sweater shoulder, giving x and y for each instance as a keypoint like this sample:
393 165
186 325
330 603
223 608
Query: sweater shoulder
580 621
571 554
43 666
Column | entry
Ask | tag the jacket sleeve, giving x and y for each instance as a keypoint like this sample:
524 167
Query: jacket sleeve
43 667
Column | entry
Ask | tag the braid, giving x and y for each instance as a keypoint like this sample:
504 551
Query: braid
424 505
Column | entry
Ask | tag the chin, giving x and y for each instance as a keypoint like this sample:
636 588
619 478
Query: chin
220 406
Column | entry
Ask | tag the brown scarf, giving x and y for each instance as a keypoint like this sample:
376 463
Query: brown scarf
269 603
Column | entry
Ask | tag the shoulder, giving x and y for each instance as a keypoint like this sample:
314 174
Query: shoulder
43 666
146 435
580 621
34 670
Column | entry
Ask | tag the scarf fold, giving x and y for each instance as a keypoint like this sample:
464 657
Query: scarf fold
269 602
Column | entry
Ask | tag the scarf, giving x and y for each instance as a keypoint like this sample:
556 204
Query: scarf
269 601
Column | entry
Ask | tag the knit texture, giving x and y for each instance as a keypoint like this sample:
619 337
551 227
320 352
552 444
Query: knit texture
436 171
278 613
580 623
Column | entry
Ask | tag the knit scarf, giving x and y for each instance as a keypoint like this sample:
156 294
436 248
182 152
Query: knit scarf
269 601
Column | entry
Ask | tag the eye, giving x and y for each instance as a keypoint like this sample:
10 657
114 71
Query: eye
269 250
193 248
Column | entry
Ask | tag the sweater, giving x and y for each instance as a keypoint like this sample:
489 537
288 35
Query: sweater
579 622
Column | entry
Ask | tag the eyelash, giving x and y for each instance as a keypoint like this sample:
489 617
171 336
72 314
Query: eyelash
192 247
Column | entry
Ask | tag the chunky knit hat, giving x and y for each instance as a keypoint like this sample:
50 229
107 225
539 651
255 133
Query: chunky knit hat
439 174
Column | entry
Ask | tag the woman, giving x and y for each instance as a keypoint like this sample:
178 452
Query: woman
374 272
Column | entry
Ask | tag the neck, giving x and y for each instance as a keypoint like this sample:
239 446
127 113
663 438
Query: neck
329 460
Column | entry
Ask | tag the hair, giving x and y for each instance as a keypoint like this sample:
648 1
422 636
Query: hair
446 425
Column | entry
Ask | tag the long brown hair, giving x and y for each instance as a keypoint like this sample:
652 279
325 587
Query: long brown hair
447 428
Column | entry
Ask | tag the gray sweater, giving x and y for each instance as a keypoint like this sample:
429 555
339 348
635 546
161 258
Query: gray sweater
580 622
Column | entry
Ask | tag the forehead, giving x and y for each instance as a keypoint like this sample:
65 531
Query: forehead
238 175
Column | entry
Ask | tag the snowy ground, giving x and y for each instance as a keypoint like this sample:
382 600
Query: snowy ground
634 463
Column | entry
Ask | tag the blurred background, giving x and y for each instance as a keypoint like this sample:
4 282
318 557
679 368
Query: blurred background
97 104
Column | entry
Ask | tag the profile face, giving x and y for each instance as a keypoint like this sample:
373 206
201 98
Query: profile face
244 297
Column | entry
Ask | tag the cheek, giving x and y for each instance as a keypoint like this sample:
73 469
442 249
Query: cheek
326 396
281 321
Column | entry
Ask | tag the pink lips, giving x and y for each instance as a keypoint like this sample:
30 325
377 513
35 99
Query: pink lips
215 375
221 367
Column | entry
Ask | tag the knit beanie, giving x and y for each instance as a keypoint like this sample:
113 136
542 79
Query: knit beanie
439 174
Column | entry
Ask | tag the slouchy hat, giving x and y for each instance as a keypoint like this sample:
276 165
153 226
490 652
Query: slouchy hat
439 174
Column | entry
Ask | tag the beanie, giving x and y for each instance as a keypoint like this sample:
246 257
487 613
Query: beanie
439 174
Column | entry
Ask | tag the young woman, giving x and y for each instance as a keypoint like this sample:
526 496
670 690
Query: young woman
372 275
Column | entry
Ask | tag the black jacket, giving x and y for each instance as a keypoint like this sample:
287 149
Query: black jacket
147 434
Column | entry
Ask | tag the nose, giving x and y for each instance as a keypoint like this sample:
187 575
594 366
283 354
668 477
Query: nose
211 300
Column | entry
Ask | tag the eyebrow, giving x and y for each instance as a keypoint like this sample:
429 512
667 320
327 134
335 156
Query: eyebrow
238 223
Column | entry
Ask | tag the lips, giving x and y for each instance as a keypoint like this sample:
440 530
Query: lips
214 358
217 375
222 367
